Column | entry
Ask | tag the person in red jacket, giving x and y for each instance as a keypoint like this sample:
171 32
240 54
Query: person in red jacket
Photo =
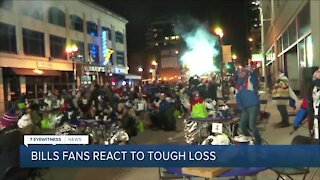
196 99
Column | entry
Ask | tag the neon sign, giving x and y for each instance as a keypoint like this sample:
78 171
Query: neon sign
104 46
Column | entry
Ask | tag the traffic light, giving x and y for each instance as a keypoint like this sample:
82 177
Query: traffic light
230 67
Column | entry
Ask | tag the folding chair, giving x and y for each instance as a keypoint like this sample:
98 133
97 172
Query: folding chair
289 172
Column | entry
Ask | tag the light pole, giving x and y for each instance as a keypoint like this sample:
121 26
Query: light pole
262 20
219 33
71 51
140 70
155 65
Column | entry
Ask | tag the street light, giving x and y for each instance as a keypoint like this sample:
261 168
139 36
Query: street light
218 32
234 57
140 69
71 51
250 39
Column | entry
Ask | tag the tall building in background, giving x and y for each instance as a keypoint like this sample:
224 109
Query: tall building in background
254 25
57 45
165 46
291 31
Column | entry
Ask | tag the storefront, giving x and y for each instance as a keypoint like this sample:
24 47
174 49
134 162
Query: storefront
35 83
90 73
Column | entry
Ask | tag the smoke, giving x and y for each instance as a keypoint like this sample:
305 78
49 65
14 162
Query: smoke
201 52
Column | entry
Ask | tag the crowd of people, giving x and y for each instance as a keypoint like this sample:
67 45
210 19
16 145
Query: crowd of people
164 102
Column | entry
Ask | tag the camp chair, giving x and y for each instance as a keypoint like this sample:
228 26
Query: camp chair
293 171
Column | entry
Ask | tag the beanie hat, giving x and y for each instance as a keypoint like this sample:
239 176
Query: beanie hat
316 75
9 118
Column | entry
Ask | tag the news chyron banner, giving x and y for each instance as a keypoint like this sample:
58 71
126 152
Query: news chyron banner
74 151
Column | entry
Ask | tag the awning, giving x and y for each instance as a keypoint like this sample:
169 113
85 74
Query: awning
32 72
132 77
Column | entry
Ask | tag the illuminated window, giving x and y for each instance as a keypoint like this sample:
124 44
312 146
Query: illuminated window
56 16
166 38
76 23
8 38
177 37
92 28
173 37
94 50
33 42
80 46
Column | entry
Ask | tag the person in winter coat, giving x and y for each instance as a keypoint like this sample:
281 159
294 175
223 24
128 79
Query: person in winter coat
281 97
167 120
11 137
196 99
248 100
212 90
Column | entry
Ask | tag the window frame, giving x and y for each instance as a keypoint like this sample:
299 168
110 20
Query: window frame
26 49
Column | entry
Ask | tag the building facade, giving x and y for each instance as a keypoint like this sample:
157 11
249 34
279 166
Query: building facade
56 45
290 35
166 46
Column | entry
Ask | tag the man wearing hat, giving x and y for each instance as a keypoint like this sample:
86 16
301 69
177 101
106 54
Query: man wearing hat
10 139
281 94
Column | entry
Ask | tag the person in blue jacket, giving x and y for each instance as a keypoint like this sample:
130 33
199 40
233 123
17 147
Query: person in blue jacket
247 98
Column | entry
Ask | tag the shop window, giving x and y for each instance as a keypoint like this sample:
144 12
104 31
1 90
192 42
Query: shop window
94 52
57 47
35 12
108 30
56 16
285 40
279 45
270 55
302 57
15 90
92 28
8 38
309 51
76 23
33 42
120 58
6 4
80 46
119 37
304 20
292 33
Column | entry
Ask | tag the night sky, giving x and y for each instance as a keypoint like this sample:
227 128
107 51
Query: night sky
231 15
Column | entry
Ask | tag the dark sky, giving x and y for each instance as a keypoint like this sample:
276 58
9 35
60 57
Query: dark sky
230 14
